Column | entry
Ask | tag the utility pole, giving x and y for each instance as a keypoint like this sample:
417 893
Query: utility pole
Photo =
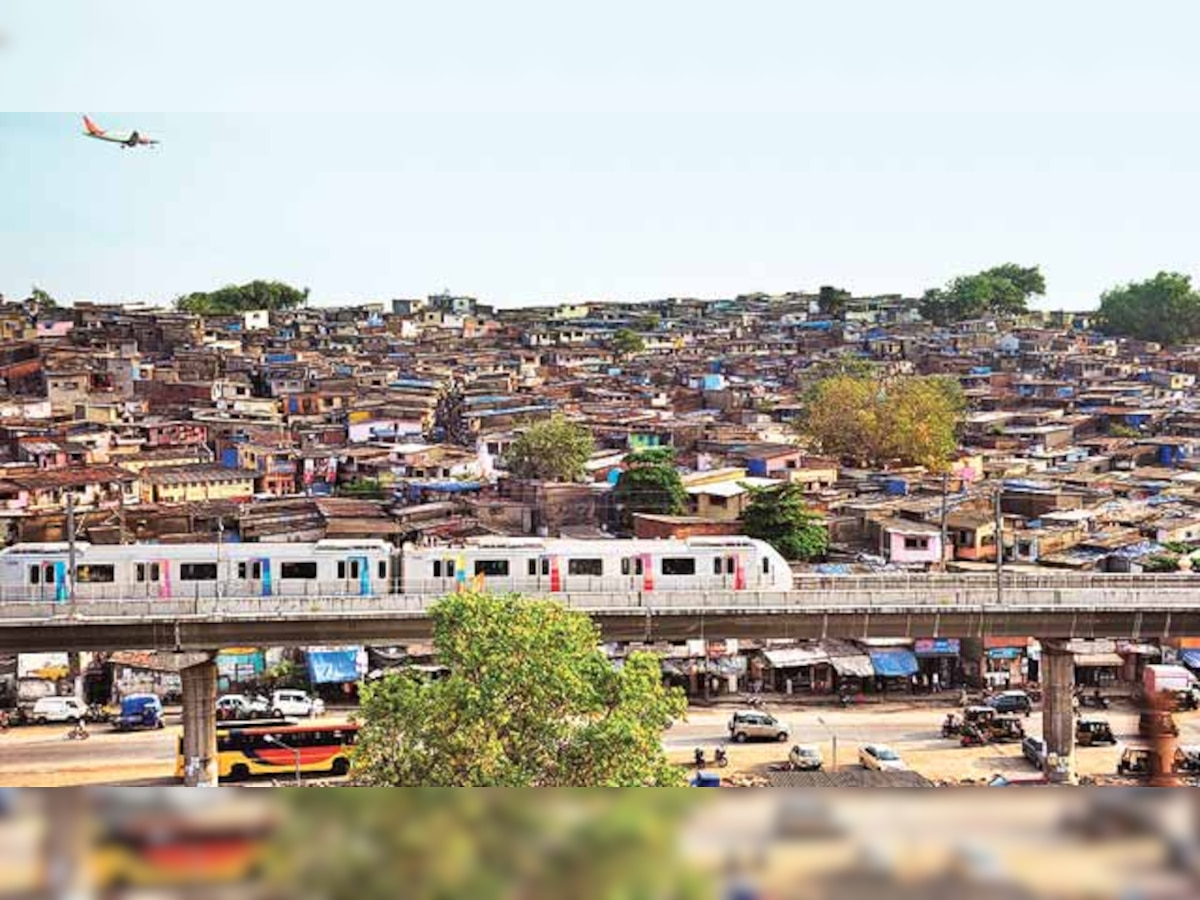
945 490
71 552
999 547
220 536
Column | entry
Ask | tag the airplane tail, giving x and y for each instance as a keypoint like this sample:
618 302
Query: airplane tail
92 127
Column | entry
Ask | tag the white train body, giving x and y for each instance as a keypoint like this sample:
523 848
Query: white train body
540 567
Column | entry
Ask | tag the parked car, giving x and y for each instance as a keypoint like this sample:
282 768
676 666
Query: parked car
1035 750
1157 724
806 758
880 758
242 706
1011 702
1092 731
295 703
57 709
744 726
139 711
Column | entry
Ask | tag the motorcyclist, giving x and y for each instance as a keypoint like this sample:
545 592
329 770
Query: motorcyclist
698 756
950 725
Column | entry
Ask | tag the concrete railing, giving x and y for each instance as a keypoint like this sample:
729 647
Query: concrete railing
916 597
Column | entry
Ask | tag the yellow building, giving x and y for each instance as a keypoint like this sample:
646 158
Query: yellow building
190 484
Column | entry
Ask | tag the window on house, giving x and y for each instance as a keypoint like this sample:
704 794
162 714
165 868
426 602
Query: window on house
721 502
679 565
304 570
492 568
197 571
95 574
916 543
593 567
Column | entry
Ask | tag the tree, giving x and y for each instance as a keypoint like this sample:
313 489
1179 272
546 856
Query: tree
234 299
832 301
650 484
1164 309
875 421
1001 291
530 701
487 845
554 450
780 517
626 343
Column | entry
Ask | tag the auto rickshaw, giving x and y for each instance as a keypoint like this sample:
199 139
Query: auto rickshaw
1180 701
979 716
1005 730
1187 760
1139 761
972 735
1092 731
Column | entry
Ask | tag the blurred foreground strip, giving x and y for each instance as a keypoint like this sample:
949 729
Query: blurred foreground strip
432 843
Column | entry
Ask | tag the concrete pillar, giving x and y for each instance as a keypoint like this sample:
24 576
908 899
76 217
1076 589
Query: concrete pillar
1058 710
200 723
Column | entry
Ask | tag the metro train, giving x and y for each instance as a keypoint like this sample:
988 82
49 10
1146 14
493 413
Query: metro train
375 567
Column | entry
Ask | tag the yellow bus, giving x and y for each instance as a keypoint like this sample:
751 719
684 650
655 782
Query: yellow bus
246 749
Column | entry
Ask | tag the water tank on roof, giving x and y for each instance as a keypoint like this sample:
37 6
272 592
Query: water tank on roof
895 487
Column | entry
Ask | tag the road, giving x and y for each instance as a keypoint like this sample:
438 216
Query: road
41 757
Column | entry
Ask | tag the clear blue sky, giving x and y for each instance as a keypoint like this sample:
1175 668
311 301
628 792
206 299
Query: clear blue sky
536 151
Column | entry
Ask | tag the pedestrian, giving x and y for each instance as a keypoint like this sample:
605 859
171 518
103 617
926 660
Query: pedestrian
936 686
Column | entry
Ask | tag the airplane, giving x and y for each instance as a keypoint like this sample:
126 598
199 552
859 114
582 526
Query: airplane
126 140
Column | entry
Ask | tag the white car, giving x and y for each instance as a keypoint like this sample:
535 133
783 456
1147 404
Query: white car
242 706
881 758
57 709
295 703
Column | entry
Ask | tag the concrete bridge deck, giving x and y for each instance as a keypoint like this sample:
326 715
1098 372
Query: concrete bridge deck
827 606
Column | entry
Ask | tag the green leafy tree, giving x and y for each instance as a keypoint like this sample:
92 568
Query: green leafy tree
650 484
874 421
832 301
1164 309
487 845
780 517
554 450
1002 291
233 299
530 701
626 343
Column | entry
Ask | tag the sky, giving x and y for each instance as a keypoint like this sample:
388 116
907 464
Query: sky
540 152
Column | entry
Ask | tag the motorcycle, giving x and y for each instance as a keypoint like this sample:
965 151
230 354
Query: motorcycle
972 737
720 758
951 727
1094 701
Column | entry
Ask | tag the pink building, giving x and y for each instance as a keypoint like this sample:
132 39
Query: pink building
906 543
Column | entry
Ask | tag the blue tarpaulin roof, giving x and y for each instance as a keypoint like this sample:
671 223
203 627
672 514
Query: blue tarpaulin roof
1190 657
333 666
894 662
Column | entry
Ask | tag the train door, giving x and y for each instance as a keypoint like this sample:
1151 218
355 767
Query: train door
254 577
148 576
729 572
354 575
445 575
537 569
48 581
633 572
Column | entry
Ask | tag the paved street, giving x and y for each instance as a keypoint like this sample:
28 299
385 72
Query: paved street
40 756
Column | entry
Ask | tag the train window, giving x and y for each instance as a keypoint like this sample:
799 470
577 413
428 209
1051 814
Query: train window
716 565
449 568
351 567
35 574
242 571
532 568
94 574
493 568
545 565
307 570
766 565
49 573
593 567
342 569
139 572
155 571
679 565
625 568
383 568
197 571
639 566
730 565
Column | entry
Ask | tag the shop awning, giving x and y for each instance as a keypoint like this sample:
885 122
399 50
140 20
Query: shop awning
937 647
1098 661
1190 657
333 666
795 657
896 663
1133 648
853 666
